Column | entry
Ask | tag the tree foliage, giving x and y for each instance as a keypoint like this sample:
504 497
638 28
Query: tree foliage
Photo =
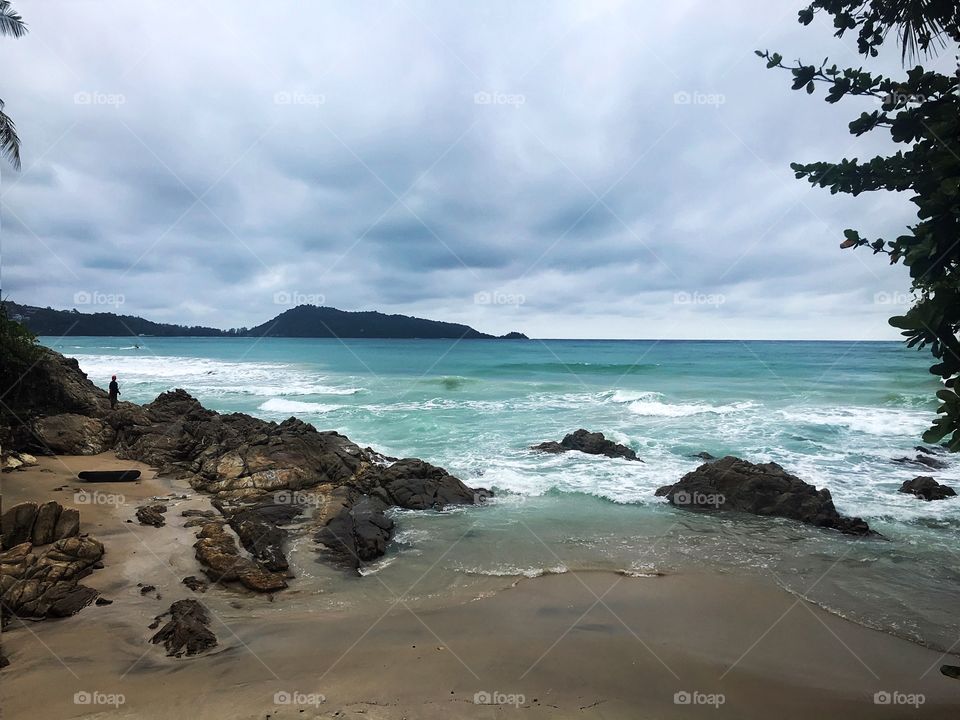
10 24
921 112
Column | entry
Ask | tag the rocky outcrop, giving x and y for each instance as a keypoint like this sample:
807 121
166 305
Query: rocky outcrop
16 461
72 434
592 443
926 488
258 472
766 489
46 584
187 631
222 561
37 524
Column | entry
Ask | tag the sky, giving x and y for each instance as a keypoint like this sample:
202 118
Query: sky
566 169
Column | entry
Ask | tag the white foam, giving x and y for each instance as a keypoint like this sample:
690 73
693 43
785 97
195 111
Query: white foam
627 396
867 420
655 408
279 405
514 571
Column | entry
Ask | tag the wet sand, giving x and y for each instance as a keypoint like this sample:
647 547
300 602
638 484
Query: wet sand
584 645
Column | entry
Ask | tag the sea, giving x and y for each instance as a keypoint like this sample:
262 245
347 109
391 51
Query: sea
834 413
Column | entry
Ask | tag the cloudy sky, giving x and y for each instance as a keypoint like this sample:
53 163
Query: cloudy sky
568 169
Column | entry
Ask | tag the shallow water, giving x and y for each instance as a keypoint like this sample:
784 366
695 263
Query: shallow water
833 413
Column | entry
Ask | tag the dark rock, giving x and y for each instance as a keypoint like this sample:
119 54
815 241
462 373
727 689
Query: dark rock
152 514
930 451
17 524
951 671
38 524
704 456
4 661
218 552
103 601
927 488
144 589
922 461
72 434
767 489
186 631
257 527
355 530
195 583
592 443
418 485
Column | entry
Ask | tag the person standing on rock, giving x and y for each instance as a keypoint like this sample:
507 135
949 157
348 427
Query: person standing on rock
114 392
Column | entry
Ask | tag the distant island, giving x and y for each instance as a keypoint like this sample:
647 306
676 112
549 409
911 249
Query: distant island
303 321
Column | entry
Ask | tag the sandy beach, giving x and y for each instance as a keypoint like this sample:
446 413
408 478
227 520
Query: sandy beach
587 644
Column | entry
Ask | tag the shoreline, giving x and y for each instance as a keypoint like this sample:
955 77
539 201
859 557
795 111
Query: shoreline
546 640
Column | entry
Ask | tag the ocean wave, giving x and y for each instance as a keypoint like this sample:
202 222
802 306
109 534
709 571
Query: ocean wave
866 420
514 571
627 396
280 405
585 368
655 408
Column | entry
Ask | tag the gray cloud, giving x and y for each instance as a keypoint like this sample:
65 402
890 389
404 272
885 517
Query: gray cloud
601 161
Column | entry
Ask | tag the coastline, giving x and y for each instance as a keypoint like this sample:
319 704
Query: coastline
579 644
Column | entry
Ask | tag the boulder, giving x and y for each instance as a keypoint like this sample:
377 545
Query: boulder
922 460
71 434
152 514
417 485
38 524
217 551
187 631
592 443
195 583
355 528
765 489
926 488
47 585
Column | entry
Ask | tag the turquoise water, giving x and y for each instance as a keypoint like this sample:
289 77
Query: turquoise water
834 413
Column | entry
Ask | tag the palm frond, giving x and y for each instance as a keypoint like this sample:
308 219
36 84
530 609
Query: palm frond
10 21
9 140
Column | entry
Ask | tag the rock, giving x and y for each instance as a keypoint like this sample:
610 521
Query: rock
144 589
257 528
355 530
766 489
47 585
592 443
71 434
704 456
217 551
103 601
922 461
951 671
152 514
927 488
10 463
17 524
186 631
27 460
417 485
195 583
4 661
45 523
38 524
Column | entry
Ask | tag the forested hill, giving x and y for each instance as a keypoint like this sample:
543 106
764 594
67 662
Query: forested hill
306 321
